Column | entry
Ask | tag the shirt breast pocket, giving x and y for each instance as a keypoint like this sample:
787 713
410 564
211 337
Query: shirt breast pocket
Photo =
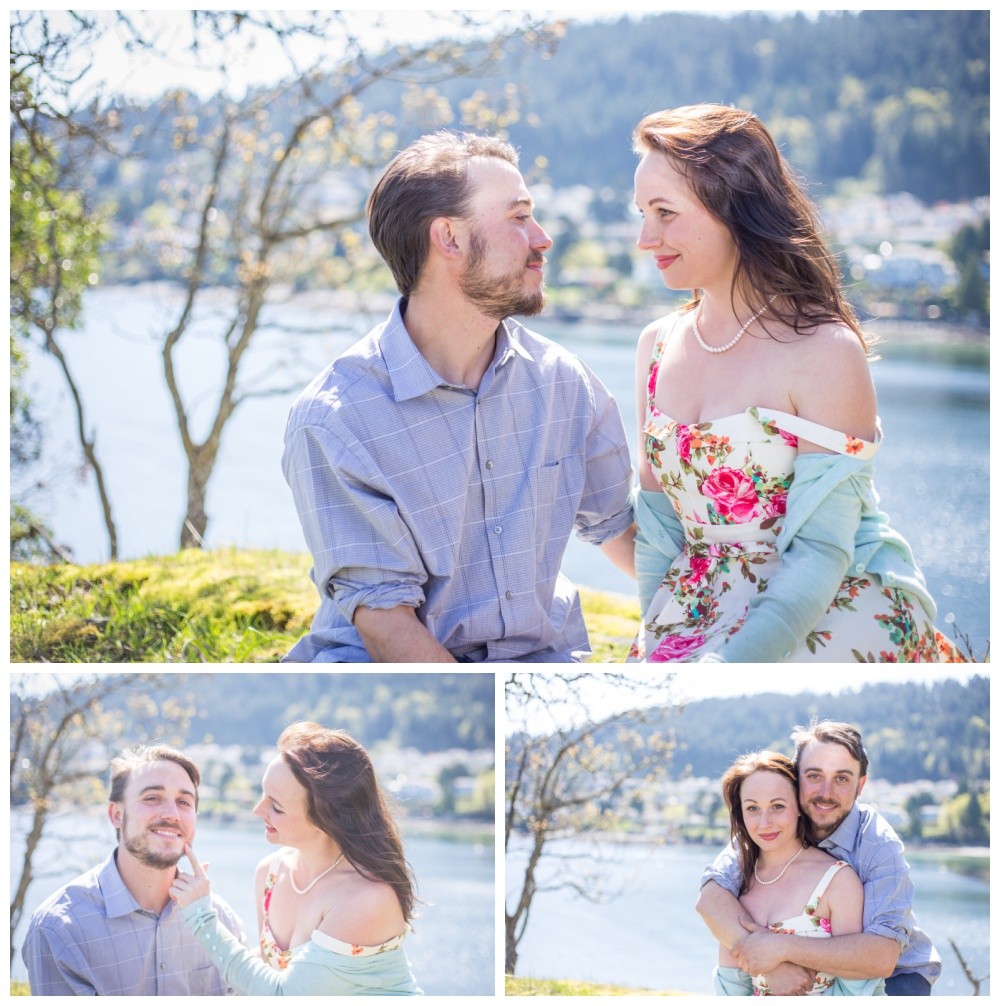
557 487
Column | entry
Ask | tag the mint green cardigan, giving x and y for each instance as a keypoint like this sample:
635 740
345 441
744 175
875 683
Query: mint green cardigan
832 525
313 971
734 982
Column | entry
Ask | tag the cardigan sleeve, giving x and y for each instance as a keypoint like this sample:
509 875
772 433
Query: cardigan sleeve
659 540
313 971
816 545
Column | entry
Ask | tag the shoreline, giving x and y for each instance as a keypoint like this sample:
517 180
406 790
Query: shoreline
886 332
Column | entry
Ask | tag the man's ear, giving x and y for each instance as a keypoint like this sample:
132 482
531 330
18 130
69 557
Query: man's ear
445 237
861 786
115 815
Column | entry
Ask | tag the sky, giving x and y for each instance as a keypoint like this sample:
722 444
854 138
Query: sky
138 76
690 684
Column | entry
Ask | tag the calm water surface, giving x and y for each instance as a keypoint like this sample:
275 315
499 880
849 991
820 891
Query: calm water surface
451 950
649 935
933 469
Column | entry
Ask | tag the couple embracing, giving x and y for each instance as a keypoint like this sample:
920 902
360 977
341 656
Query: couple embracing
813 896
333 902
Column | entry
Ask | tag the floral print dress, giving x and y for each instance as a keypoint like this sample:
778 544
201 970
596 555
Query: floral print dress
808 923
728 481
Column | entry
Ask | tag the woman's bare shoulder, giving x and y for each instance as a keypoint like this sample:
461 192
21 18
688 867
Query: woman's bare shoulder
366 912
268 863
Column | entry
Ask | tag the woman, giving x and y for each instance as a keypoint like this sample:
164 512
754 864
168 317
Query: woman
335 900
757 424
785 878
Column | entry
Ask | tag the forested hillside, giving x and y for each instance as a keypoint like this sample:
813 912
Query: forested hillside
433 712
937 731
897 99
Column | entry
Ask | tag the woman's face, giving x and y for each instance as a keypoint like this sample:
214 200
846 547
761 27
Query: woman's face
692 249
770 809
284 807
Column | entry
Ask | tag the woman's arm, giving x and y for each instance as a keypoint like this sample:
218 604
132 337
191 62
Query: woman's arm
845 903
643 356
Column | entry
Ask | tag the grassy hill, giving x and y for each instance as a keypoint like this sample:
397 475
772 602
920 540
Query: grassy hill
223 606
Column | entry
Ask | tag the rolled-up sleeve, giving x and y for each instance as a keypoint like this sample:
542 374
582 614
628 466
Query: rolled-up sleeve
363 551
605 510
889 896
724 870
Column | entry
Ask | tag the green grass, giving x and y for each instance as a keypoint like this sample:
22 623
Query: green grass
514 986
225 606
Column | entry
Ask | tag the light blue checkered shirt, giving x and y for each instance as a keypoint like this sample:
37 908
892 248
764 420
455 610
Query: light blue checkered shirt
92 938
865 841
456 502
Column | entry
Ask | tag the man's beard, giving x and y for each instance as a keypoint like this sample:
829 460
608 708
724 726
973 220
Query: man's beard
139 848
498 296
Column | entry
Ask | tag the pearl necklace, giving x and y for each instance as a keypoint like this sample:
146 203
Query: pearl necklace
780 875
320 876
732 342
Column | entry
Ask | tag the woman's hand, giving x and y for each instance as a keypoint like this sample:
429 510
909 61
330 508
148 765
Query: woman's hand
189 887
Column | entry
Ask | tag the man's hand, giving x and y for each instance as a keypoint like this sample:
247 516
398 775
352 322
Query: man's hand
760 951
757 954
789 980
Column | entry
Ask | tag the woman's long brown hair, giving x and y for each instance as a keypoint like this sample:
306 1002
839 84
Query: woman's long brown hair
346 802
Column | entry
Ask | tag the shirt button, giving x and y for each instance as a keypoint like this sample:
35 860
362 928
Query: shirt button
489 466
859 568
509 595
497 529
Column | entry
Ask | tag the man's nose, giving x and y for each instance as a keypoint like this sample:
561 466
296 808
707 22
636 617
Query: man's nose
540 239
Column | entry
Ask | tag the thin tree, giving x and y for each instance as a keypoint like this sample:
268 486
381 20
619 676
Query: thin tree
246 180
571 776
64 730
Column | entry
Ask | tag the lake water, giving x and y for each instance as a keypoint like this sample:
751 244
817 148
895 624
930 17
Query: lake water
649 935
933 469
452 948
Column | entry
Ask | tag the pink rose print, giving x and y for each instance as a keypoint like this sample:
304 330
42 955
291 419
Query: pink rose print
774 506
699 567
825 926
733 493
790 438
684 443
675 648
653 371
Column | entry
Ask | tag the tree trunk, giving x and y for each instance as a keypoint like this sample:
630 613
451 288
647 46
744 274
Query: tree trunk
510 957
87 444
195 517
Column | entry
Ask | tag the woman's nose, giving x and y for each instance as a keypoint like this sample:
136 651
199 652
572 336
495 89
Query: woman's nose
646 238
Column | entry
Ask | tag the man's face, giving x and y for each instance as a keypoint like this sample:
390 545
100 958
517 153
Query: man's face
503 271
157 815
830 780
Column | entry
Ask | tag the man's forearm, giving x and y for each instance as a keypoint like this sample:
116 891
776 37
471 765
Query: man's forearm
858 955
721 912
396 635
621 551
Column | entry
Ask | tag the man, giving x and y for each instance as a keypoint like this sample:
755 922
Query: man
832 767
439 466
114 930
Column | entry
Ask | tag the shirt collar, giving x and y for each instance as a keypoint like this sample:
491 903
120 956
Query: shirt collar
118 899
412 376
846 832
